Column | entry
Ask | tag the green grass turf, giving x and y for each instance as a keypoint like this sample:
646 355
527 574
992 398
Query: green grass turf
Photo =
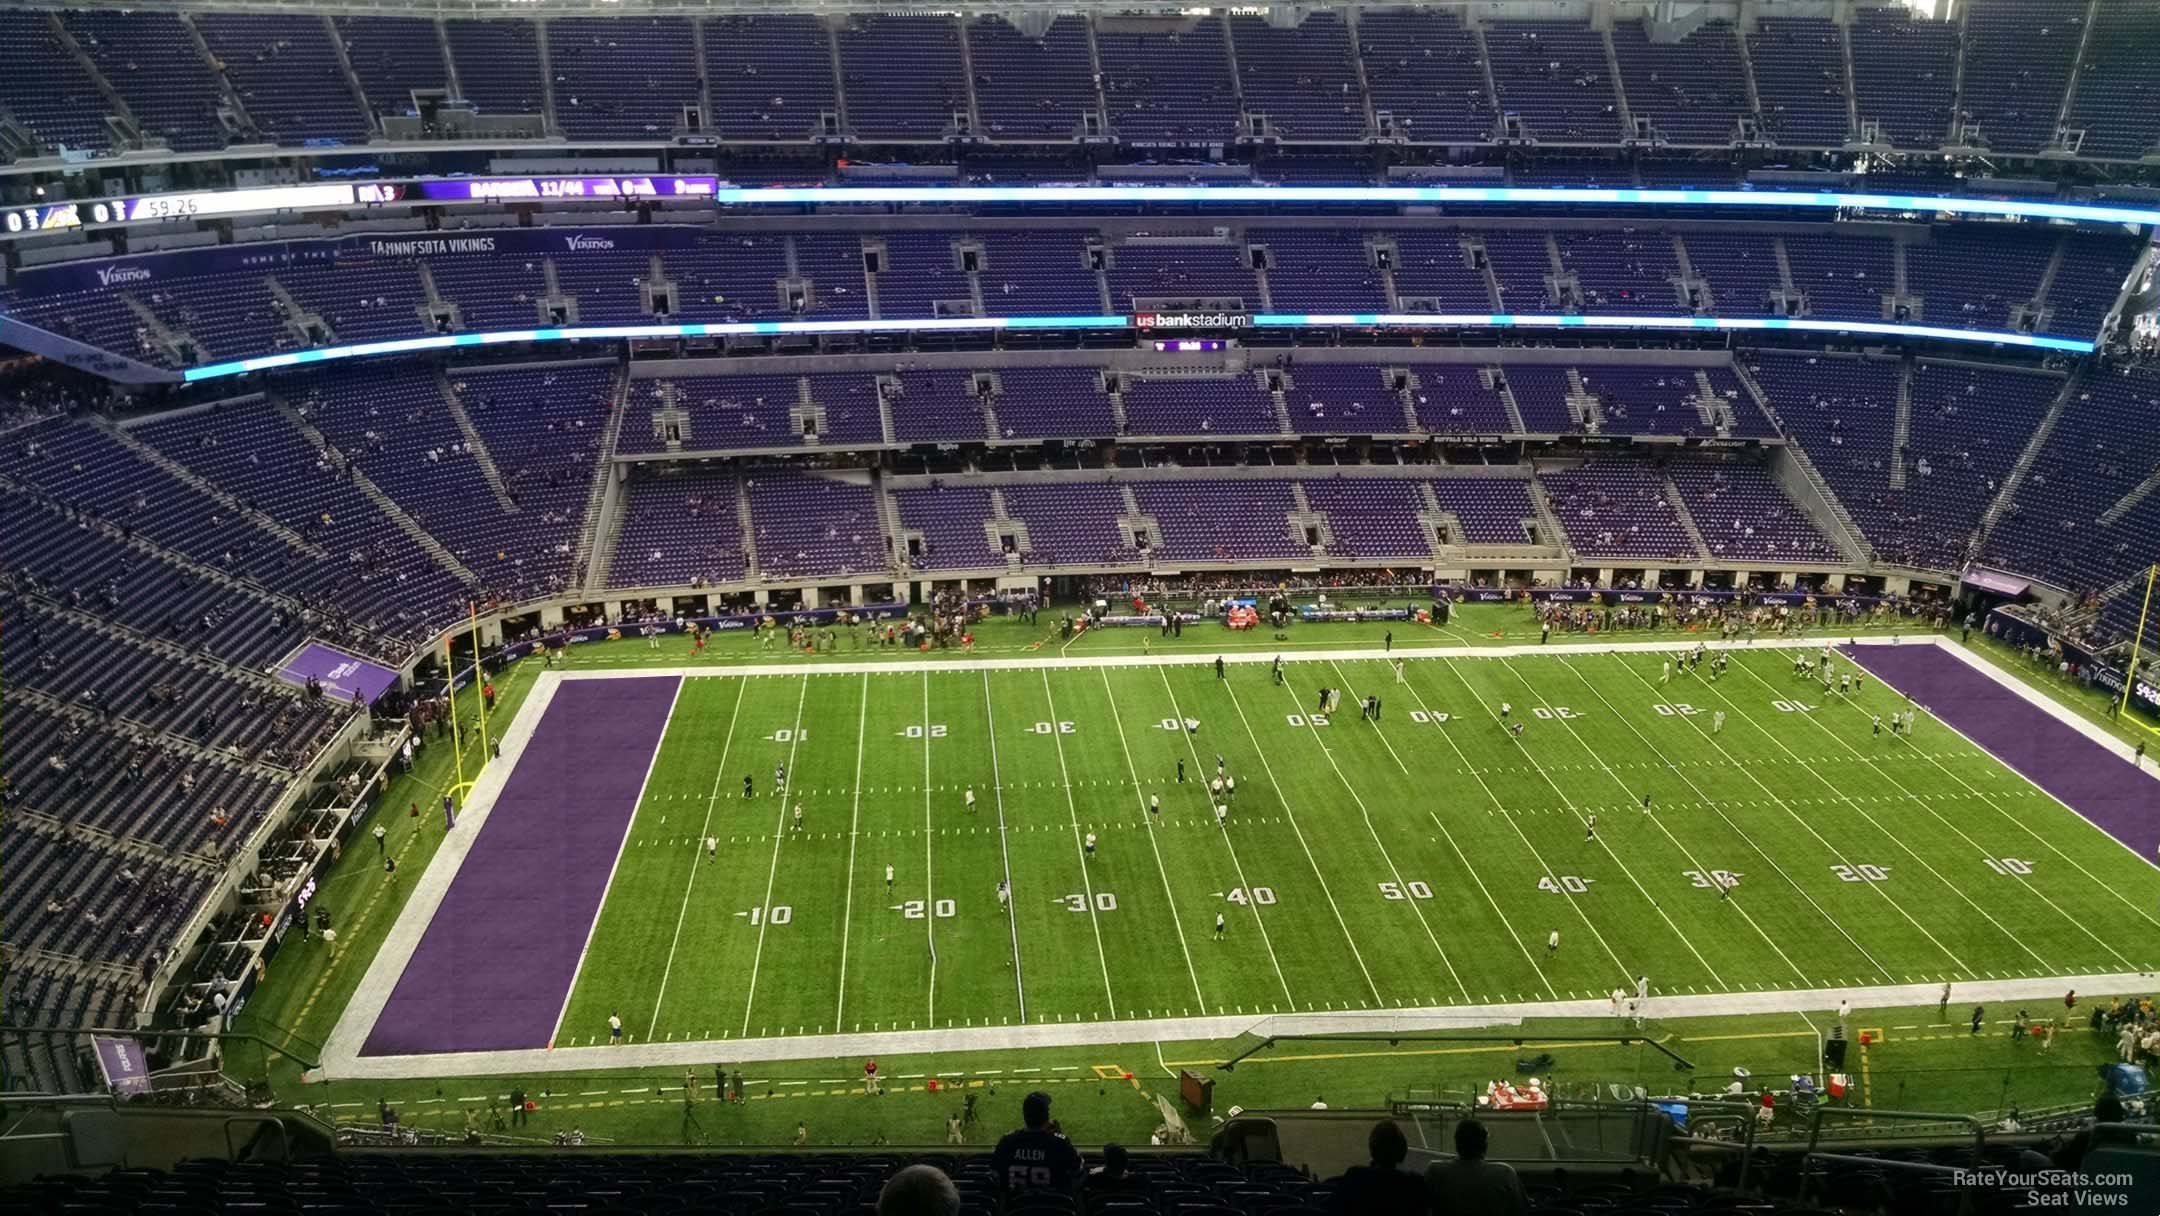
1859 859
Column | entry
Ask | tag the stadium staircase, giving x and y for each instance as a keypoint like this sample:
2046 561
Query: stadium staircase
449 60
383 502
2077 68
174 344
602 525
1584 403
839 94
746 527
2138 493
547 78
477 446
300 324
229 97
1805 485
207 489
1852 88
119 118
1488 376
2073 385
1364 87
990 388
352 78
1619 85
1901 427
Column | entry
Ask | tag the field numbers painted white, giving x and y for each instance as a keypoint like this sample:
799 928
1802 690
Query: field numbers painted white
913 909
1395 890
778 914
1052 728
2009 865
935 730
1557 711
1078 902
1675 709
788 735
1861 873
1713 879
1792 707
1260 895
1568 883
1437 719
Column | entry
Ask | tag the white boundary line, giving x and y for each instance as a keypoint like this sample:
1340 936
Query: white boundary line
341 1050
629 824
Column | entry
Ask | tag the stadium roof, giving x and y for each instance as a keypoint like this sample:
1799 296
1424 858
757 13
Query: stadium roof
1037 10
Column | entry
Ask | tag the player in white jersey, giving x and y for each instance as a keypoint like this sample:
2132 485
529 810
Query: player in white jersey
888 878
1717 722
1665 676
1004 893
1154 805
798 816
712 848
1218 926
1215 787
1222 814
969 798
1229 788
1590 829
1091 844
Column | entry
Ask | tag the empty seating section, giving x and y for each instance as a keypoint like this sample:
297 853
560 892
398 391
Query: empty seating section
2088 282
815 526
1740 267
115 907
2018 59
1187 405
1072 522
1371 517
1458 398
1038 274
542 428
98 317
1968 427
1052 403
1843 413
1844 277
1629 272
2106 443
1222 521
1617 508
45 89
251 452
1800 80
951 520
608 285
905 77
1424 72
286 73
1552 76
728 276
833 263
491 292
151 62
719 413
622 76
1321 270
936 407
1034 88
920 276
1905 75
498 64
1973 279
1748 419
393 56
681 524
1522 267
1145 275
2118 95
1491 510
1743 515
1168 80
1645 400
1692 90
360 299
1541 395
1432 270
850 404
1302 78
227 315
1342 399
769 77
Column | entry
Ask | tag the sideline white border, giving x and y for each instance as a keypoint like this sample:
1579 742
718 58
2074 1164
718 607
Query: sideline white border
342 1061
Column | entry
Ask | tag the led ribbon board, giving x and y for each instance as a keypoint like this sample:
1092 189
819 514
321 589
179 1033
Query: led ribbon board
1271 320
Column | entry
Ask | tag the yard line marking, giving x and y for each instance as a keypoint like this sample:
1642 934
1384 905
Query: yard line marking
1394 871
1087 881
997 791
1236 865
1705 801
1550 875
1809 827
1464 858
1140 796
773 871
595 925
2024 881
847 911
1310 860
711 801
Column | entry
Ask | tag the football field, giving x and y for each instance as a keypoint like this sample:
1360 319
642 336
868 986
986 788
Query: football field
1422 860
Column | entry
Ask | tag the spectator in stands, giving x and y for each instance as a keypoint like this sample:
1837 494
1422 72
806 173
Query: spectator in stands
2071 1156
1472 1185
919 1190
1038 1156
1383 1185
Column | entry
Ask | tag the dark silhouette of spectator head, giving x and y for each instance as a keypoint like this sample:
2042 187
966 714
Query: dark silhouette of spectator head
919 1190
1115 1161
1035 1110
1388 1146
1470 1140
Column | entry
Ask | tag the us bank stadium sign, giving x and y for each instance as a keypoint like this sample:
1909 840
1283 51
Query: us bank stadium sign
1192 320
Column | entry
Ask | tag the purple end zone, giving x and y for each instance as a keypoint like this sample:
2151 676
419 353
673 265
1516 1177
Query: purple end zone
341 674
2091 780
496 962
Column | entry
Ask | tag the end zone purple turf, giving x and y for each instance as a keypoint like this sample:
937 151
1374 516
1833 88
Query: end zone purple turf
2091 780
496 963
